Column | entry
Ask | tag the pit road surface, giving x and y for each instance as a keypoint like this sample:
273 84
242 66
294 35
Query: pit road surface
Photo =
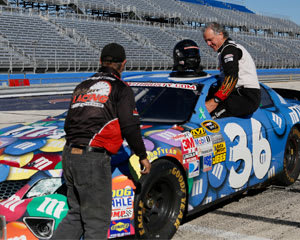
271 213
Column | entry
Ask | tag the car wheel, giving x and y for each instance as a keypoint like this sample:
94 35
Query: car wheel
161 203
291 162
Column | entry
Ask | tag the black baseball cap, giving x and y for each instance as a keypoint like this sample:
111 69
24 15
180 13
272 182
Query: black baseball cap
113 52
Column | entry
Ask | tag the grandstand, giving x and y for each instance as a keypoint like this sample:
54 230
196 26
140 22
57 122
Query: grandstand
68 35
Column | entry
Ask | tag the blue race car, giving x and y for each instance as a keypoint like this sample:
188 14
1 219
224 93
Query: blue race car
196 161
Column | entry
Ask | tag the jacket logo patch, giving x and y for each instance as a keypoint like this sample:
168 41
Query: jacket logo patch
228 58
96 96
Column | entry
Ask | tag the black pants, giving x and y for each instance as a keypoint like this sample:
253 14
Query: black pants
241 102
88 179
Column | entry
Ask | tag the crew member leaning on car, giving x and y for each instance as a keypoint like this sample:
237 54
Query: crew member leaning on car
239 93
102 112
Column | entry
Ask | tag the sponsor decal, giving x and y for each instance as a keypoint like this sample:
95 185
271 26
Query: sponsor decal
217 138
122 202
219 148
119 228
99 92
189 157
228 58
164 85
181 136
204 145
194 169
188 144
140 221
177 173
211 126
122 192
202 113
181 211
121 214
198 132
160 151
219 158
207 163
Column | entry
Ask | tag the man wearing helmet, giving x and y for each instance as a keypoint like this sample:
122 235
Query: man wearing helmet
239 93
186 56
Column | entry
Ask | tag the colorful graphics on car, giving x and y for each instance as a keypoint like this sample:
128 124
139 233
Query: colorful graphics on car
219 158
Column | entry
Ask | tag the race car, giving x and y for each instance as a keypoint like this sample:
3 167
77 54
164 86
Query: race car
196 161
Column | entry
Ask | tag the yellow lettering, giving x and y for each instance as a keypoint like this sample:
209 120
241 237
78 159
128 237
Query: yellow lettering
177 223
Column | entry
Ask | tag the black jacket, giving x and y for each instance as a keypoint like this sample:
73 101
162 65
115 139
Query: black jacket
102 112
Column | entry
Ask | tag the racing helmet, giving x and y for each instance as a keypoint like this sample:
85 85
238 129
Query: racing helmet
186 55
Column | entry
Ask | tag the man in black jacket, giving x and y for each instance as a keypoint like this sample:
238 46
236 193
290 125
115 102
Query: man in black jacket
239 93
102 112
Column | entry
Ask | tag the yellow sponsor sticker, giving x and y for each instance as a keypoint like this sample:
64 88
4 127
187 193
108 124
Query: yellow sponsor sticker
211 126
219 148
198 132
219 158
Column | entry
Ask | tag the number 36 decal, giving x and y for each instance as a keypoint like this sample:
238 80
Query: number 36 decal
260 158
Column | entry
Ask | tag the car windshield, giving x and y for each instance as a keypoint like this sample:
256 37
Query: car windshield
165 102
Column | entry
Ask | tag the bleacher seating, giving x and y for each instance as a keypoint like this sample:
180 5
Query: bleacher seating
31 40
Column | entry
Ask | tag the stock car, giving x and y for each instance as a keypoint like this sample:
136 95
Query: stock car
196 161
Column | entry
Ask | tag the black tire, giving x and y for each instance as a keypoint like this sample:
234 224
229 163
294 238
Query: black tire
161 203
291 162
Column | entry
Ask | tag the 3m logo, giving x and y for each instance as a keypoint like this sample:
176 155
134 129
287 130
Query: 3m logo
188 145
42 163
12 202
52 207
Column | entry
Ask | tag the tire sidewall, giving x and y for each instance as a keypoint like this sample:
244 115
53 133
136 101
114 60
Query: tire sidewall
287 177
161 169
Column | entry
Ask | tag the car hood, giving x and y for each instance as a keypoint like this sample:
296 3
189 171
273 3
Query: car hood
26 149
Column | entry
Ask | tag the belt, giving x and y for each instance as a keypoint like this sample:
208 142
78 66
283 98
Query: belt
86 148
